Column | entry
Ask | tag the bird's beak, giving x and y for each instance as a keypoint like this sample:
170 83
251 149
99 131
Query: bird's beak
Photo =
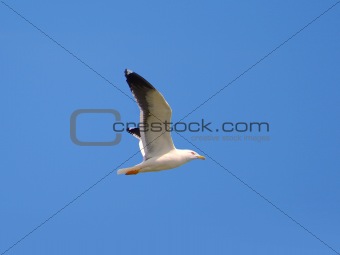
201 157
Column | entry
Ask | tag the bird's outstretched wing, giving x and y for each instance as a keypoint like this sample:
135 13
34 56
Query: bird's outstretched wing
155 116
136 133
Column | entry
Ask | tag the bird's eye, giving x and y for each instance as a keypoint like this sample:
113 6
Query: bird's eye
193 153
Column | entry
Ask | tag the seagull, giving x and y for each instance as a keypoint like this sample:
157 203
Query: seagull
153 133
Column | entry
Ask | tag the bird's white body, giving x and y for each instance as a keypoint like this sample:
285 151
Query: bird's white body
172 159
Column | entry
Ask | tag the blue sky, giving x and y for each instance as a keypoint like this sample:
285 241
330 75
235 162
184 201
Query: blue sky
188 50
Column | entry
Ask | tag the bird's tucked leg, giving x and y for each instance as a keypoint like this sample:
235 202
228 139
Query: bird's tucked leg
131 172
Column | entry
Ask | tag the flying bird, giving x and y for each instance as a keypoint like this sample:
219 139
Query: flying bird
153 133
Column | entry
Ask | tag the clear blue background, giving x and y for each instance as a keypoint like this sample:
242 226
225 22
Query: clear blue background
188 50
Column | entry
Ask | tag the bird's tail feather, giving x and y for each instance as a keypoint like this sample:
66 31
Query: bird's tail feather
127 170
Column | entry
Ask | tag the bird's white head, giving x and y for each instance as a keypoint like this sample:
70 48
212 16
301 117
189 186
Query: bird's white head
193 155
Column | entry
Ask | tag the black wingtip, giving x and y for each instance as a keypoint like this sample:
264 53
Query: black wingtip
134 131
127 72
135 80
